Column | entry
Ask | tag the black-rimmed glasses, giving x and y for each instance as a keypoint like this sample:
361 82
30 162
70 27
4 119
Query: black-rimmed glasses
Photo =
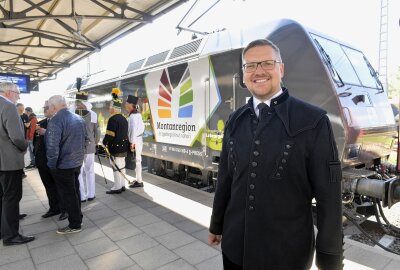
266 65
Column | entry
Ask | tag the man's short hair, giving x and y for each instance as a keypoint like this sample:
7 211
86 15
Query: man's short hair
260 43
57 100
28 109
6 86
19 105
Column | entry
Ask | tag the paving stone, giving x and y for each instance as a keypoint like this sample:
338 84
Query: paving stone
392 265
32 219
122 232
172 218
365 257
110 222
136 243
86 235
120 205
40 227
202 235
213 263
95 248
189 226
131 212
178 265
51 252
65 263
46 238
158 228
10 254
158 210
100 214
144 219
146 204
154 257
175 239
25 264
196 252
111 261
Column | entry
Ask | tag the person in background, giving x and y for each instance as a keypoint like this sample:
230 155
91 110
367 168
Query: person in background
278 154
25 121
23 115
30 133
12 150
135 132
49 182
65 140
117 142
83 108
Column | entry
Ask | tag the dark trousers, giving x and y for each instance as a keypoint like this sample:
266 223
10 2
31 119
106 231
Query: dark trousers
51 189
10 195
67 184
229 265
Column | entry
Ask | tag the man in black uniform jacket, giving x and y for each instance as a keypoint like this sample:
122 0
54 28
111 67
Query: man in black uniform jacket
116 140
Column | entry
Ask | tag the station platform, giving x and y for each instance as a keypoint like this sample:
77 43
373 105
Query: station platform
162 226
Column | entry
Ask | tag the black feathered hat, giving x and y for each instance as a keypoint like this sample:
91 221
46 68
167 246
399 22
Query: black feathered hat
132 99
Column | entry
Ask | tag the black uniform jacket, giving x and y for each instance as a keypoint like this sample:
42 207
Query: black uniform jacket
40 147
269 172
116 138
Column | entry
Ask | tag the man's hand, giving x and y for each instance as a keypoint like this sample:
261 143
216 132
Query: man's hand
132 147
214 240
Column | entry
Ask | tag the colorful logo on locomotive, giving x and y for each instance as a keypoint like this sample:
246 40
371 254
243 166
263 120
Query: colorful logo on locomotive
165 90
182 98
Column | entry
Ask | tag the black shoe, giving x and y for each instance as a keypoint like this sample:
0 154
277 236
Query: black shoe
83 201
17 240
30 166
63 216
136 184
24 176
91 199
116 191
22 216
123 189
50 214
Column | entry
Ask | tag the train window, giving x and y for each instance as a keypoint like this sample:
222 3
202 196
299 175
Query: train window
362 67
339 60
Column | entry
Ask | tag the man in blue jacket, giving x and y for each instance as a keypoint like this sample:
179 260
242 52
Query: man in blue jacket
65 149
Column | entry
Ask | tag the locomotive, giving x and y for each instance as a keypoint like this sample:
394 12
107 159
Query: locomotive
187 92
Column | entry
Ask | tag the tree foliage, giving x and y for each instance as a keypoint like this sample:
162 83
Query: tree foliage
394 84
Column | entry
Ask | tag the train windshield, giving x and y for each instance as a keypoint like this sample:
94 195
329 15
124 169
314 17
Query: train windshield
351 65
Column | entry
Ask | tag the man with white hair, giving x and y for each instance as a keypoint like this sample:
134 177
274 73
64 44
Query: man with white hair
65 149
83 108
12 150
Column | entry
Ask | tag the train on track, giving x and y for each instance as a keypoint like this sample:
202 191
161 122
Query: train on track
187 92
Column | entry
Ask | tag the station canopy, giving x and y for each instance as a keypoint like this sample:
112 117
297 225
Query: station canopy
41 37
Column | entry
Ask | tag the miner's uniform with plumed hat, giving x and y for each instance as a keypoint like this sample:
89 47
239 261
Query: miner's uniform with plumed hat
135 132
116 140
84 109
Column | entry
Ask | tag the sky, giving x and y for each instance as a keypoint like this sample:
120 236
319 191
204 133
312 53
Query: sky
355 22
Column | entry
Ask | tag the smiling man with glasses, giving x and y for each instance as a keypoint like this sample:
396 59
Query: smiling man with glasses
278 154
12 150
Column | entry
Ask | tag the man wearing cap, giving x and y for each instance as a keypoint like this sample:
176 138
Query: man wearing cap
116 140
135 132
30 133
83 108
12 150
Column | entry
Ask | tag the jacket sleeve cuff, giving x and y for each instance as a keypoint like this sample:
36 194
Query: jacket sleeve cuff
215 228
325 261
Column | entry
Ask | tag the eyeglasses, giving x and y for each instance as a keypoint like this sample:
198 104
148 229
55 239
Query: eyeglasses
45 108
265 65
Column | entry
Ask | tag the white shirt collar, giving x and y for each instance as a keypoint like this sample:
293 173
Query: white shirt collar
268 101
